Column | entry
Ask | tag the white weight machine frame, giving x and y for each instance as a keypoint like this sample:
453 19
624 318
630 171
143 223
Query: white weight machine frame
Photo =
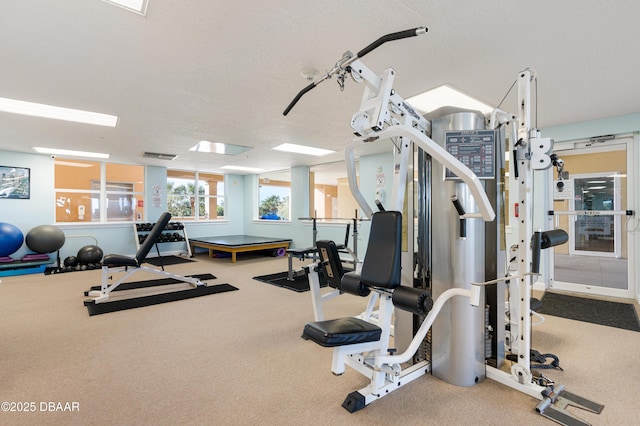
384 115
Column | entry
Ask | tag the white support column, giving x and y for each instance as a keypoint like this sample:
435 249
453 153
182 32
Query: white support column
525 231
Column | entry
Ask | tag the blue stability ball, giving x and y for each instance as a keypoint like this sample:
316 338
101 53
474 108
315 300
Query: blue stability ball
11 239
89 254
45 239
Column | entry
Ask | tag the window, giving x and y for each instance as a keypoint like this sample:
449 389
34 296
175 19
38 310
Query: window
90 191
186 189
332 197
274 195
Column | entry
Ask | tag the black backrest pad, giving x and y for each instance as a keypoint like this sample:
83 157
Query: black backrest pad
331 264
381 267
157 229
346 236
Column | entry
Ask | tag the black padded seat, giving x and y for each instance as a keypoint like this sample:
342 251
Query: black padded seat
114 260
301 252
341 331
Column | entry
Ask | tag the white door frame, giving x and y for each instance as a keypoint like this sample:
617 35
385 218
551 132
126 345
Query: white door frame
631 143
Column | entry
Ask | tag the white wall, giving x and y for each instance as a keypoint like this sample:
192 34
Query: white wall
40 208
629 123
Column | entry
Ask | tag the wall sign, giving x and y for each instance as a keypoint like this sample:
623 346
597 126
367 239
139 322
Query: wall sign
15 182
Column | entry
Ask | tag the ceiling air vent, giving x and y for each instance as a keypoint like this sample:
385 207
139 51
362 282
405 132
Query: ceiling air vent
158 156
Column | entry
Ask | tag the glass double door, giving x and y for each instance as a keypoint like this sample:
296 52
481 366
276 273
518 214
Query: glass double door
590 202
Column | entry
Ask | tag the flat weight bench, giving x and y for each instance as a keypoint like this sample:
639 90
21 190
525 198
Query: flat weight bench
301 254
380 273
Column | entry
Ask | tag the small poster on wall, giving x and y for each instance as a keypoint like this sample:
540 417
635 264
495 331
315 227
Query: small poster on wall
156 199
14 182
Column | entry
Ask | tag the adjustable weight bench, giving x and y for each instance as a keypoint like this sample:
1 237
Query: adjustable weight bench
121 263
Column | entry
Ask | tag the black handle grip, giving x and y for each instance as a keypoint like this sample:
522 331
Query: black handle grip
297 98
458 205
463 222
390 37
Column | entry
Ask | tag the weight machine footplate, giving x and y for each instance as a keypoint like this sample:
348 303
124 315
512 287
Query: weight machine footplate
556 409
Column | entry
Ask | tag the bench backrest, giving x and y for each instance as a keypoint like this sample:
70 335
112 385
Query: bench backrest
155 232
381 266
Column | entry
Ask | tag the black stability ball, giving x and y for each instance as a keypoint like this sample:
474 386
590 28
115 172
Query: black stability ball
70 261
90 254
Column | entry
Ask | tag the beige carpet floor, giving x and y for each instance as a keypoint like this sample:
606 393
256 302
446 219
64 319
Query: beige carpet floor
237 358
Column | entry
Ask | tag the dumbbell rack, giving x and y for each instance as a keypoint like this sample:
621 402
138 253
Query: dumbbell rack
173 232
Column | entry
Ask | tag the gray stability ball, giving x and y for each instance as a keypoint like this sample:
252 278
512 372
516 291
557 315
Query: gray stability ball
45 239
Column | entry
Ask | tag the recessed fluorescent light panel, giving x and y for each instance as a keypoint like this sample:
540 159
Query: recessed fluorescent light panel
69 153
301 149
219 148
137 6
446 96
242 168
58 113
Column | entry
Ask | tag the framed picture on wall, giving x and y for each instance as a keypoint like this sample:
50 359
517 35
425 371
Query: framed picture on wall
15 182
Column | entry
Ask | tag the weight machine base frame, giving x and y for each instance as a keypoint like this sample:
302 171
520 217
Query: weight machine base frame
553 403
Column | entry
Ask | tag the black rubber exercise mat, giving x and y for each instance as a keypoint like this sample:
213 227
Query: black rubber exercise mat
611 314
299 283
156 299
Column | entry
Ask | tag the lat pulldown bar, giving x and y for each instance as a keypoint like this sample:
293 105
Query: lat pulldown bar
341 66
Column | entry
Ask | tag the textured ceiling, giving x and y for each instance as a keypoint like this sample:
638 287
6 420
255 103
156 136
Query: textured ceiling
224 71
